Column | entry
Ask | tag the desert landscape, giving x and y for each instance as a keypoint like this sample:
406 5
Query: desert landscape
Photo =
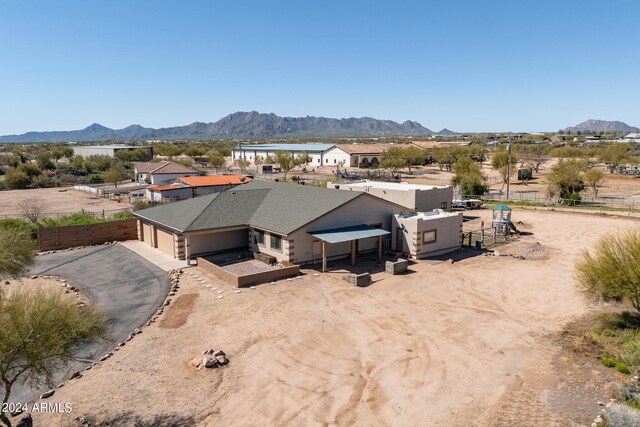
477 340
59 201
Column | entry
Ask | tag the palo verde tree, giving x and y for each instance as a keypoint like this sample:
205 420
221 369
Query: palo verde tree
285 161
414 156
612 271
469 178
614 155
393 160
115 174
594 178
216 160
39 332
500 163
242 163
304 159
565 180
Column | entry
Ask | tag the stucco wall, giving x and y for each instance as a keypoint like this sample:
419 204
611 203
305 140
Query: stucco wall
335 155
420 200
448 234
362 210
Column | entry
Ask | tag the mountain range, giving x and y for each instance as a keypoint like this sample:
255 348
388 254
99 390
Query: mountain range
240 125
606 126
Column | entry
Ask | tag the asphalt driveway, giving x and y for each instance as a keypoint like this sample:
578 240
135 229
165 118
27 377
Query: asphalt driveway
127 287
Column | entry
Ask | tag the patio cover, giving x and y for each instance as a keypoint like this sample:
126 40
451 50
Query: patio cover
347 234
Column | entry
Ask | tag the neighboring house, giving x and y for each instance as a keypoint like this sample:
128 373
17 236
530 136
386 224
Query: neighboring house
261 151
161 172
421 198
294 223
194 186
107 150
355 155
426 234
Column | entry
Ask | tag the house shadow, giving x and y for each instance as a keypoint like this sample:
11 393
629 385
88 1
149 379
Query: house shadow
341 269
466 218
459 255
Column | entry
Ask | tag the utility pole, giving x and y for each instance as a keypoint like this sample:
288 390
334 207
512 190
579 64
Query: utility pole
508 167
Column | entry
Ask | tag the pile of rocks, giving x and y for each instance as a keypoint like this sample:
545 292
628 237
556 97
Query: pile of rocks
210 359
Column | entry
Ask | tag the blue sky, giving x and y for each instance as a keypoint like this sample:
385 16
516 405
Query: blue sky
484 65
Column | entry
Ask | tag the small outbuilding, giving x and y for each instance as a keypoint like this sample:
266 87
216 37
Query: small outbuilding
161 172
425 234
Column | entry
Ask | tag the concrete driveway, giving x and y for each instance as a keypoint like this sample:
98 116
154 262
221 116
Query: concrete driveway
126 286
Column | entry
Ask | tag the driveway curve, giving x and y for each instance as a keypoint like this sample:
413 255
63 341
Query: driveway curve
127 287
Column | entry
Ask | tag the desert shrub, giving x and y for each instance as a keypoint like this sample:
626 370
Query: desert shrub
122 215
16 179
573 199
608 362
619 415
19 225
623 368
73 219
628 392
630 352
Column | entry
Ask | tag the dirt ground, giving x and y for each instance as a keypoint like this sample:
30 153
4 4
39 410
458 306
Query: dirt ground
614 185
58 201
477 342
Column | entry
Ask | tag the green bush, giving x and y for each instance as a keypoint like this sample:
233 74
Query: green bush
630 353
16 224
623 368
122 215
608 362
74 219
573 199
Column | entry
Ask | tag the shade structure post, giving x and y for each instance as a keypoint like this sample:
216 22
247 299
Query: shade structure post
379 248
324 256
353 252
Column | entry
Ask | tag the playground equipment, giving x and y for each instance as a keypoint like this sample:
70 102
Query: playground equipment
501 222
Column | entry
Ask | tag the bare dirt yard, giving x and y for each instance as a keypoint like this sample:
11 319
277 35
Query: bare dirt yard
475 342
614 185
58 201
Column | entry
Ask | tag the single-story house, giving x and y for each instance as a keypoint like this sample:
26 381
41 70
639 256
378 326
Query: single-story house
161 172
425 234
418 197
294 223
194 186
251 152
108 150
355 155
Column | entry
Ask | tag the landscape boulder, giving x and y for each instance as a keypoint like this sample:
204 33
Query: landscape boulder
210 359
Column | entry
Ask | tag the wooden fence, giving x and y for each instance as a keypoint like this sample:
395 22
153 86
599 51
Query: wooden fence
86 235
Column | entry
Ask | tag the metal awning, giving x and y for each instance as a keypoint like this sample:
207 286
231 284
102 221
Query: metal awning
346 234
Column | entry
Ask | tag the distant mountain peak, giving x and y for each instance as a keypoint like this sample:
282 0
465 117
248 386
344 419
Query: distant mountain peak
249 125
446 131
595 125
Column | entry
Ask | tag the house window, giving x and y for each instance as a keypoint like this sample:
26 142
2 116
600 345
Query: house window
276 243
429 236
326 160
335 161
258 237
443 205
319 161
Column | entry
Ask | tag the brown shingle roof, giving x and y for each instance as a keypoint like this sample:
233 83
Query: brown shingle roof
162 167
365 148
